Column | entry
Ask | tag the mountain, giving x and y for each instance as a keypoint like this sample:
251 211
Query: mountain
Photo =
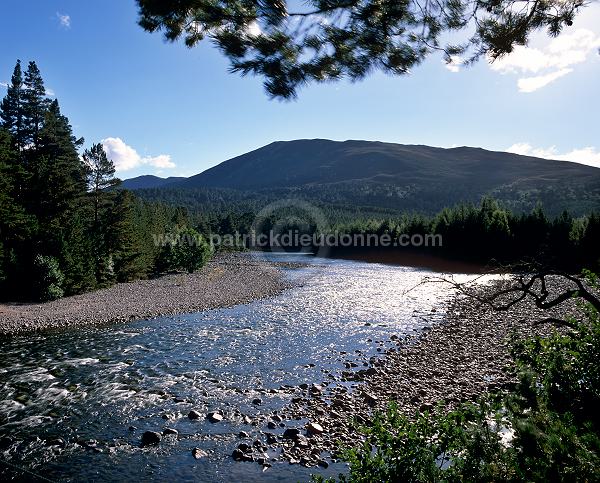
394 176
149 181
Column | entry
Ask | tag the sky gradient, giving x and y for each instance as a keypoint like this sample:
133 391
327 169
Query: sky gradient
161 108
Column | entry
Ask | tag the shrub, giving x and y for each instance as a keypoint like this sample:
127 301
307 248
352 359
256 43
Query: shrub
185 249
48 279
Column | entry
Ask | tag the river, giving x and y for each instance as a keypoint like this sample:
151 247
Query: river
74 403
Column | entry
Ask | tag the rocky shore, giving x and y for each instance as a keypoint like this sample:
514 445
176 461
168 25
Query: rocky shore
228 279
453 362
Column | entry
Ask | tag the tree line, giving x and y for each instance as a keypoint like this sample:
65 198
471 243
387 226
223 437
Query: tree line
487 233
65 227
491 233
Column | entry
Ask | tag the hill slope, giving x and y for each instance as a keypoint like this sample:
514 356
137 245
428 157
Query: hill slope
148 181
400 177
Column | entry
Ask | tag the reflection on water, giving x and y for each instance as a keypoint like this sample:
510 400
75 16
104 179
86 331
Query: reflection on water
74 404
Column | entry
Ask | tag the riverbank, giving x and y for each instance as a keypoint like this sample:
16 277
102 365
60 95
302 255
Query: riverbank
228 279
452 362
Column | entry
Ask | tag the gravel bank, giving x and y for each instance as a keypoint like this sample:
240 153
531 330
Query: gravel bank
454 362
228 279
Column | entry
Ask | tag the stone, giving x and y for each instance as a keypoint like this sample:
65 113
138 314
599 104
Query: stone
193 414
370 399
244 447
316 389
257 401
314 428
199 453
150 438
170 432
214 417
243 434
238 455
291 433
301 441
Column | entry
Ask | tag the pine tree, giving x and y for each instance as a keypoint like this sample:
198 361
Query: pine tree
11 108
34 105
125 240
77 254
59 185
16 226
101 182
60 177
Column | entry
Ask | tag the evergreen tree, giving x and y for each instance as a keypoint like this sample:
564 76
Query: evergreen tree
16 226
59 185
125 240
34 105
77 254
101 182
11 108
60 177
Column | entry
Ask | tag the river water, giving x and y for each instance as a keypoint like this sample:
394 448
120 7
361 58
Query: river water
74 404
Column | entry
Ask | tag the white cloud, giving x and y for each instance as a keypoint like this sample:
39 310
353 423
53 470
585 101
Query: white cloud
455 63
64 20
551 62
127 158
588 155
530 84
4 85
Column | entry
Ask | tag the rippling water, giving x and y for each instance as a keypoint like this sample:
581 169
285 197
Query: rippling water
73 404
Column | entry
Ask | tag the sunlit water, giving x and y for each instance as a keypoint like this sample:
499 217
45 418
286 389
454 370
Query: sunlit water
113 383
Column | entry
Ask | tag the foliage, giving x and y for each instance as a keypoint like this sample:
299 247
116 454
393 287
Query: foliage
326 40
546 429
65 228
49 279
485 233
184 249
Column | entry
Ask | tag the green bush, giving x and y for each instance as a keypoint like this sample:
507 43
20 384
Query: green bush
547 429
185 249
48 279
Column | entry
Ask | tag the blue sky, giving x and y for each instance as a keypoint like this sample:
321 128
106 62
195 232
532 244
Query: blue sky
164 109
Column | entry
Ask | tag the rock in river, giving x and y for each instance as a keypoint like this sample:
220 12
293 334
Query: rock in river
214 417
193 414
199 453
151 438
291 433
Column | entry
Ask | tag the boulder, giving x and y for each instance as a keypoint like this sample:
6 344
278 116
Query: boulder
214 417
314 428
291 433
193 414
150 438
